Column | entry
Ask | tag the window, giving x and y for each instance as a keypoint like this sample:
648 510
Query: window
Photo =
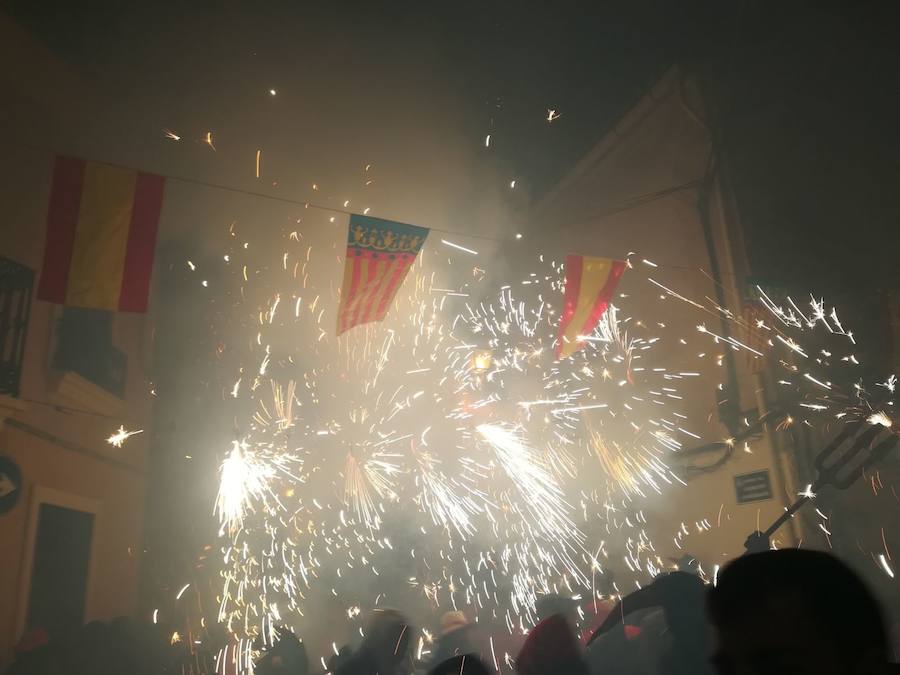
84 346
16 282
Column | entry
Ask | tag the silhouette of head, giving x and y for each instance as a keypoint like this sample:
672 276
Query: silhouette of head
388 636
795 611
452 621
552 603
464 664
551 648
336 661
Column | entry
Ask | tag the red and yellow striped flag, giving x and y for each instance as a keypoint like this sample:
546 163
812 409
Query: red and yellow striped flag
379 254
101 236
590 284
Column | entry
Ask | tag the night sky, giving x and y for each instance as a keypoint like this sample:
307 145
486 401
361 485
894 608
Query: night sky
807 94
495 67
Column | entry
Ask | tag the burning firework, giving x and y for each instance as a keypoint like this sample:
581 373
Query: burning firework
447 447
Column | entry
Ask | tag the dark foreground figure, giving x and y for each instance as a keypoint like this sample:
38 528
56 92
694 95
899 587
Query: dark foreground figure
455 640
286 657
796 611
669 633
778 612
464 664
385 649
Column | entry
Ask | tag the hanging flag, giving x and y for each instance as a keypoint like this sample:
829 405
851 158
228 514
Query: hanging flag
379 254
590 284
101 236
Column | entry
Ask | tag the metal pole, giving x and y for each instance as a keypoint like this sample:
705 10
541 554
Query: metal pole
777 453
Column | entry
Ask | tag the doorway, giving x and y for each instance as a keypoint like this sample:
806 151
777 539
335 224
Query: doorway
59 573
57 562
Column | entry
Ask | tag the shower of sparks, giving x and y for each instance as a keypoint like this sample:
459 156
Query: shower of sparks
245 479
447 506
880 418
242 481
119 438
367 483
544 506
431 421
449 442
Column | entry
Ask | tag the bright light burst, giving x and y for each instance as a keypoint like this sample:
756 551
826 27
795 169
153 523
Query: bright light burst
881 418
450 443
121 435
244 479
513 462
541 500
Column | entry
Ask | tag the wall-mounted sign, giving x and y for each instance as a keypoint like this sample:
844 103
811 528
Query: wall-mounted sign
753 487
10 484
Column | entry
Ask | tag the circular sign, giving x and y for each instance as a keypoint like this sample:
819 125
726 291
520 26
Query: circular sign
10 484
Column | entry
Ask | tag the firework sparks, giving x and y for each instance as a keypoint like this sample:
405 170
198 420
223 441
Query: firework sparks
881 418
120 436
545 500
452 423
245 482
458 247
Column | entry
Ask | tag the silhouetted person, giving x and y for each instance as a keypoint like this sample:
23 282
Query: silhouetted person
34 655
688 563
385 647
337 661
673 635
286 657
455 640
89 651
796 611
683 596
551 648
464 664
552 603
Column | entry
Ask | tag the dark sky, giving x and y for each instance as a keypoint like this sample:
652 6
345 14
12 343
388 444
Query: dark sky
807 94
497 67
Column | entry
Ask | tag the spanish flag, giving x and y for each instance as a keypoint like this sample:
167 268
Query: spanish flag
590 284
101 236
379 255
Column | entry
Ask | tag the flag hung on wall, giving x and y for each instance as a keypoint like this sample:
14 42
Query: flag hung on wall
379 254
101 236
590 284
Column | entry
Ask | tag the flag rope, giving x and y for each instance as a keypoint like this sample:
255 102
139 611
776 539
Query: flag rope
631 203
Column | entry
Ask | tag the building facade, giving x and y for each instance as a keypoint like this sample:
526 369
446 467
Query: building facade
71 504
654 189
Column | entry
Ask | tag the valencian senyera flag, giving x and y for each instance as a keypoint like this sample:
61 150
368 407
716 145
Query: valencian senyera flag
590 284
379 254
101 236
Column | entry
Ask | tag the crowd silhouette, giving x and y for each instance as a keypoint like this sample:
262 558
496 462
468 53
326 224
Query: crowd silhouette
775 612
